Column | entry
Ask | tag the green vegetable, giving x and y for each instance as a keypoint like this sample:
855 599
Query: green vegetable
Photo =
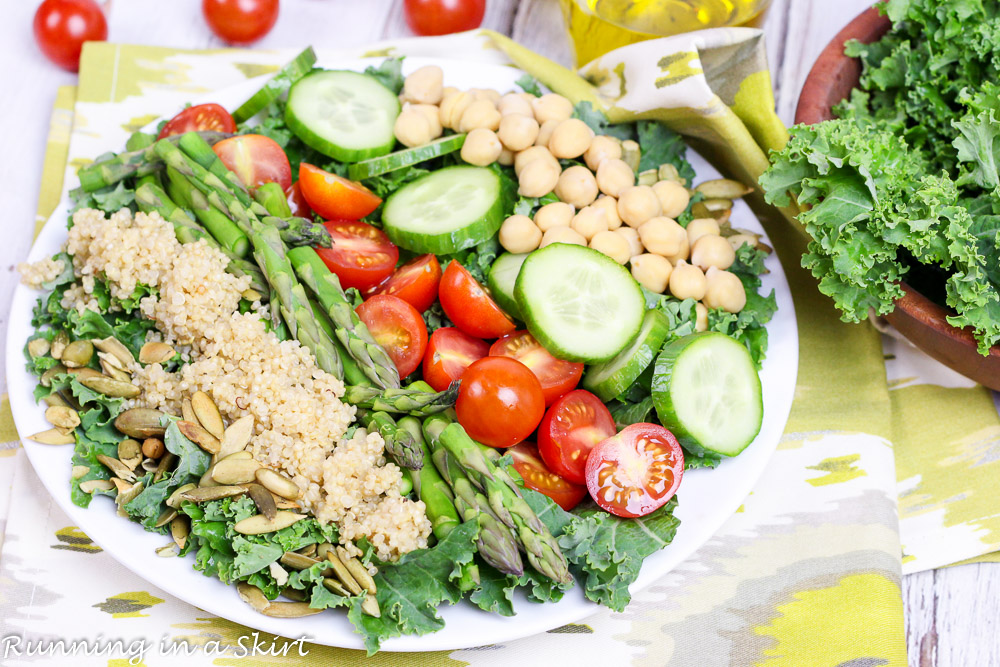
276 85
405 158
410 401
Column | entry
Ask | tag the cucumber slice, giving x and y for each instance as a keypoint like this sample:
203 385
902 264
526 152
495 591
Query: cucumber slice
609 379
404 158
503 275
580 304
445 211
276 85
344 115
707 391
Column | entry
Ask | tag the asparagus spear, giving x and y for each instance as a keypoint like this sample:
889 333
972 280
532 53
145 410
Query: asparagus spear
430 487
399 444
352 372
225 231
272 197
412 401
201 152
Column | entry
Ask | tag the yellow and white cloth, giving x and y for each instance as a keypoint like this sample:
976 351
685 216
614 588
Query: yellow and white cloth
806 573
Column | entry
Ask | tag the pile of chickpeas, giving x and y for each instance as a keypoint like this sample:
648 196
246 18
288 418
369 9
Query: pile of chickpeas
600 205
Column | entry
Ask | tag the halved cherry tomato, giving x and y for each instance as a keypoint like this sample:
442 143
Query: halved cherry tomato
536 476
199 118
635 472
335 197
556 375
297 202
256 159
415 282
570 429
467 304
500 401
361 255
397 327
449 352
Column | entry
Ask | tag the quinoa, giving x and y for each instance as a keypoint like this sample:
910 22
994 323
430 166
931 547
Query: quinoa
42 271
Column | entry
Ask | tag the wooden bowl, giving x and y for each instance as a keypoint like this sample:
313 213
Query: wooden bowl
916 317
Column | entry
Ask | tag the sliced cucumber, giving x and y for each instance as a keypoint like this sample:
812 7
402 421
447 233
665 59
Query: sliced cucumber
276 85
609 379
445 211
579 303
707 391
503 275
344 115
404 158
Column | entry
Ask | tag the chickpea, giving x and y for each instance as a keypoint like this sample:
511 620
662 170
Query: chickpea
610 206
412 128
430 112
528 155
637 204
452 108
562 235
424 86
673 196
481 147
614 177
551 106
590 222
714 251
448 90
518 131
602 148
724 290
684 252
662 236
570 139
652 271
545 132
612 245
506 157
701 227
577 186
701 317
631 237
556 214
519 234
538 178
488 94
514 103
687 281
481 113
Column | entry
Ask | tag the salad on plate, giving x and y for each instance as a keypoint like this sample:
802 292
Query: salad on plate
374 342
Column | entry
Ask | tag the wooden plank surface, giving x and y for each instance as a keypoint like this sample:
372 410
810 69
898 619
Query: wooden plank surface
951 614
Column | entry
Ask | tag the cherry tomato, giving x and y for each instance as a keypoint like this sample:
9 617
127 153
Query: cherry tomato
500 401
198 118
334 197
398 327
635 472
570 429
256 159
441 17
536 476
449 352
467 304
557 376
62 26
297 202
415 282
240 21
361 256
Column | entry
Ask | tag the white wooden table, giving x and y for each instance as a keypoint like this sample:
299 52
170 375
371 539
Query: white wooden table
952 615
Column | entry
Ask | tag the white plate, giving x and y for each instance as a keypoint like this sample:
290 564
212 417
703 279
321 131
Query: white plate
707 497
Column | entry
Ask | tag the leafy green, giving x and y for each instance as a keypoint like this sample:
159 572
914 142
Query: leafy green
528 205
478 259
661 145
435 318
530 85
599 123
389 73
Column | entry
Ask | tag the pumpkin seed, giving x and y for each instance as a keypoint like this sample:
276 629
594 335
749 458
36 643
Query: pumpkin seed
283 504
179 530
85 372
717 204
130 453
370 606
234 471
293 594
204 494
166 463
297 561
92 485
155 352
263 500
149 465
78 354
308 550
63 416
166 516
38 347
648 177
206 480
722 188
168 551
117 467
79 471
208 414
254 597
121 486
699 210
738 240
335 586
111 370
668 172
278 484
46 379
126 496
237 435
357 570
153 448
251 295
279 573
174 499
199 436
59 344
631 154
323 550
343 574
115 347
53 436
111 387
56 400
259 524
187 412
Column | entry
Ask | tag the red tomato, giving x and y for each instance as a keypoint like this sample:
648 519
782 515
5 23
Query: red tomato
570 429
198 118
557 376
467 304
240 21
398 327
334 197
635 472
361 256
415 282
297 202
449 353
62 26
536 476
441 17
256 159
500 401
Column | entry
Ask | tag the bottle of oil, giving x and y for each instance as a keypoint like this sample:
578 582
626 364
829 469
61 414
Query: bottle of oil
599 26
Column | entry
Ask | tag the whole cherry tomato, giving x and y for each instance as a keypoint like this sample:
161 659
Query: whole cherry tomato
240 21
556 375
441 17
500 401
62 26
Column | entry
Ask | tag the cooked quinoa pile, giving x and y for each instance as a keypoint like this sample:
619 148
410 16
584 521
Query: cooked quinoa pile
300 420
